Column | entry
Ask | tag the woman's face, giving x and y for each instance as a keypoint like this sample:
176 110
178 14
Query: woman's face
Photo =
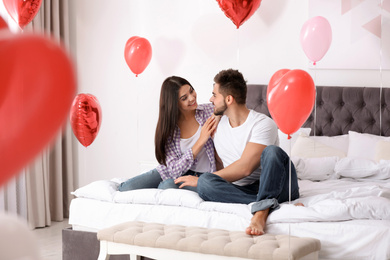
187 98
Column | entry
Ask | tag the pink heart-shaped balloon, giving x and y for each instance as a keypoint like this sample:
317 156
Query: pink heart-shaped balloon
239 10
40 84
22 11
290 99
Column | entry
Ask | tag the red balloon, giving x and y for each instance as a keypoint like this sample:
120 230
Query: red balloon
22 11
239 10
290 98
38 83
85 118
3 24
138 53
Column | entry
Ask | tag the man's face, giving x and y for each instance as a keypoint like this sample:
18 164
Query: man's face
218 101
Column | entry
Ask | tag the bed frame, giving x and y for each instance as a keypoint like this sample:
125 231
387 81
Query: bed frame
337 111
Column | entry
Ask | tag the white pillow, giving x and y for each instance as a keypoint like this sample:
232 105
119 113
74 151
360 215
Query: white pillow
307 147
100 190
359 168
355 168
284 143
315 169
339 142
382 150
363 145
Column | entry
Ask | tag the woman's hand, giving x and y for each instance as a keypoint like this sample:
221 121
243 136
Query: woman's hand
205 133
208 129
216 122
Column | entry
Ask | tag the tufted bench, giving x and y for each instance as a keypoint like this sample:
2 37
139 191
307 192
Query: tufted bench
161 241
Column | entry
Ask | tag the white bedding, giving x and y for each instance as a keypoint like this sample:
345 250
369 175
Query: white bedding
351 218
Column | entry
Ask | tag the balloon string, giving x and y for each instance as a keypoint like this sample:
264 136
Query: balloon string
289 171
315 100
289 194
238 48
85 160
380 73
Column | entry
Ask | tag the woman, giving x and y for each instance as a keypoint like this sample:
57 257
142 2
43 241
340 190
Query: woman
182 139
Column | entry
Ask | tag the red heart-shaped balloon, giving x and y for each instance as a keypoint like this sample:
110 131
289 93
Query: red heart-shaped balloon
22 11
40 84
290 99
239 10
85 118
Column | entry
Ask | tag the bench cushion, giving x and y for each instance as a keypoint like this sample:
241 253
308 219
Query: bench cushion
209 241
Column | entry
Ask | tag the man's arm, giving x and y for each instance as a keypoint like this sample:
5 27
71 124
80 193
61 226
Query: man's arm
243 167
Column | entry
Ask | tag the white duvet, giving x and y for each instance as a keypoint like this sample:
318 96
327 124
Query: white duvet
333 200
350 218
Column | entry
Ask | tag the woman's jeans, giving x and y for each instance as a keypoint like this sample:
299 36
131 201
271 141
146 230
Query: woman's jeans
268 192
147 180
152 179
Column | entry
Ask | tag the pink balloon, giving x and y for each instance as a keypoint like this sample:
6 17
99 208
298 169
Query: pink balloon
316 37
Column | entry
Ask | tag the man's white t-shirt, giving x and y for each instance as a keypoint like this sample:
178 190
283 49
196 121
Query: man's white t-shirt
230 142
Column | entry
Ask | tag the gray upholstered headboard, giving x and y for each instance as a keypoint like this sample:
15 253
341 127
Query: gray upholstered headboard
338 109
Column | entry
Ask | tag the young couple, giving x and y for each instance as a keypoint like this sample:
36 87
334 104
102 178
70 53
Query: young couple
251 166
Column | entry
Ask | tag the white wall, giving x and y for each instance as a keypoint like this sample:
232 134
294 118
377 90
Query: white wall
192 39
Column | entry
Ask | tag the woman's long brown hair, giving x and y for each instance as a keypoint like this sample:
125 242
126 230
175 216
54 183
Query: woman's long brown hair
168 115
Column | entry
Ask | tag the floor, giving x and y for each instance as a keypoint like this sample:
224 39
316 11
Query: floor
50 240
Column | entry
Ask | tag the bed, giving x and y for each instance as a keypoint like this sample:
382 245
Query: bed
342 156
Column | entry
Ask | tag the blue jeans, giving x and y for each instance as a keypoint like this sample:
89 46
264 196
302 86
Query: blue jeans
268 192
170 183
147 180
152 179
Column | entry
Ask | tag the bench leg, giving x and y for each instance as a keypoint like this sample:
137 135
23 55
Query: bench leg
103 253
135 257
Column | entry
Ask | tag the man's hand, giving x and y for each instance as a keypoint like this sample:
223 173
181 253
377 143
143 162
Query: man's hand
187 180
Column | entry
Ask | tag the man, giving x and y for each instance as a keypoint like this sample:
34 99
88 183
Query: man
247 144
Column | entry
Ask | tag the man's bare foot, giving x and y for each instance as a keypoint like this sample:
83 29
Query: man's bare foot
257 225
299 204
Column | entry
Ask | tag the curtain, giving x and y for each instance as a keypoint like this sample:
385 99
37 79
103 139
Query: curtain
52 176
13 196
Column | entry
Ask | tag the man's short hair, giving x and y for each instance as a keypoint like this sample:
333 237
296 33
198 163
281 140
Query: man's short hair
232 82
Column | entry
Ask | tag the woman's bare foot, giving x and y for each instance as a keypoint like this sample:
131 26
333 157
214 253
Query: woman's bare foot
257 225
299 204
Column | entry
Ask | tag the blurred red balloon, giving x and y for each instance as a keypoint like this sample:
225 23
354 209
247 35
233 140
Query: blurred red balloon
138 53
3 24
22 11
239 10
85 118
290 98
37 85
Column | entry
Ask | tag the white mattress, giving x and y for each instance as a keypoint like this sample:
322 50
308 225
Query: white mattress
352 219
